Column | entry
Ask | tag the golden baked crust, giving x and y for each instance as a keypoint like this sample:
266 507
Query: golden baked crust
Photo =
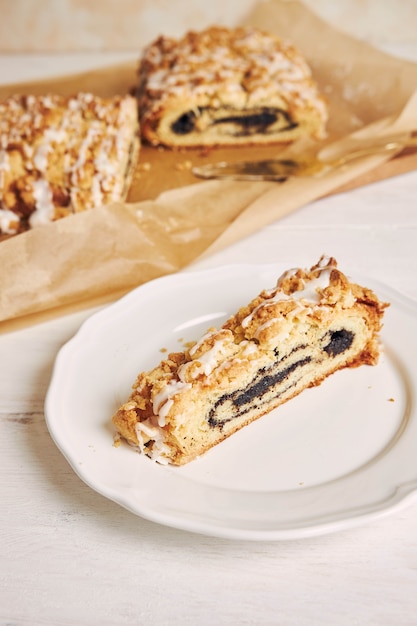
288 338
61 155
227 86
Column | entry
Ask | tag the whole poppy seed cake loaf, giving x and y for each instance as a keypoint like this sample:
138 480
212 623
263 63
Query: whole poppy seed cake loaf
312 323
226 86
61 155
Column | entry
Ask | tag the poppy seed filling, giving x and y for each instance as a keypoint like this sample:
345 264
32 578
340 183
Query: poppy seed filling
273 380
267 381
258 120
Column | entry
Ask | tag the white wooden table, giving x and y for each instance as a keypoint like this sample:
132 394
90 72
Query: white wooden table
71 557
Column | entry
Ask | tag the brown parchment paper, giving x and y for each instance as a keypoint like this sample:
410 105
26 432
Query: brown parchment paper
170 219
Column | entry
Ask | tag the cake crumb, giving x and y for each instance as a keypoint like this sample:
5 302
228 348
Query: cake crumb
144 167
206 151
184 166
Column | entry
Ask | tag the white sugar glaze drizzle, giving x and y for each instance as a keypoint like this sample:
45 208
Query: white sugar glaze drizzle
40 158
204 338
248 348
9 222
75 169
163 400
4 161
278 336
206 362
155 433
45 209
50 136
308 297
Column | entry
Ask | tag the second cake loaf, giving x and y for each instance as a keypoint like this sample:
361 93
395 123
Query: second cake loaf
61 155
226 86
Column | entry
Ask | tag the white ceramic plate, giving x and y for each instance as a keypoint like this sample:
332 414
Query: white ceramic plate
336 455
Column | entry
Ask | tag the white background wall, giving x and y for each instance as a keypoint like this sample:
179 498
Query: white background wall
100 25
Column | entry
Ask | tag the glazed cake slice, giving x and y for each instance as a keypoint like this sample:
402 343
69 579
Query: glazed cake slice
61 155
226 86
291 337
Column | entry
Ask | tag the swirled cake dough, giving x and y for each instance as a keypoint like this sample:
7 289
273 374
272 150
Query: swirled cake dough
61 155
288 338
226 86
